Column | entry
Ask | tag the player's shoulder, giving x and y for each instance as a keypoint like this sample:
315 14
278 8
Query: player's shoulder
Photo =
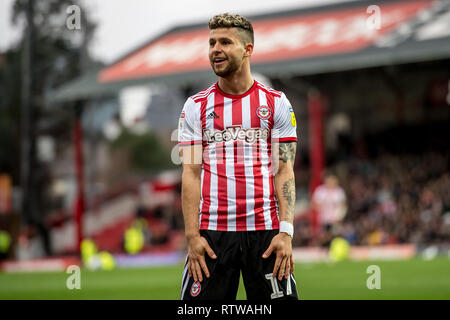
270 90
204 94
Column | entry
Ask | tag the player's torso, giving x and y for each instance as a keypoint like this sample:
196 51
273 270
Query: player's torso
237 176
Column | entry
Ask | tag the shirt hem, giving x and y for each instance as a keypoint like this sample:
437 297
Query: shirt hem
276 227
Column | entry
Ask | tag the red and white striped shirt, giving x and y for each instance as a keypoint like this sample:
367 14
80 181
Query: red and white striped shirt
237 132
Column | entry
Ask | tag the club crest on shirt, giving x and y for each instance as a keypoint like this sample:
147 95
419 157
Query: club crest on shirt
263 112
196 288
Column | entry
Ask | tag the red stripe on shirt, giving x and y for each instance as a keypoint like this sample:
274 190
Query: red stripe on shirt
273 203
258 179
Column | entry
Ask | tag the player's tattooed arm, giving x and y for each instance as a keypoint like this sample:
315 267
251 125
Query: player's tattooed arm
289 195
281 244
287 157
285 180
287 152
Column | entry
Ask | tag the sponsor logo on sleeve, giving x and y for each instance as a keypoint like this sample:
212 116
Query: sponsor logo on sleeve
293 120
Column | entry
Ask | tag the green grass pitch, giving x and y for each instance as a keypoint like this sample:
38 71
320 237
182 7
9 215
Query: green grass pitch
411 279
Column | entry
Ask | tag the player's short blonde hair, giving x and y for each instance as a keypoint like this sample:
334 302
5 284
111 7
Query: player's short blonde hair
227 20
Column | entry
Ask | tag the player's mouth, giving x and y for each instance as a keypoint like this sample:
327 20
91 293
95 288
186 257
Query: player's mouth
219 61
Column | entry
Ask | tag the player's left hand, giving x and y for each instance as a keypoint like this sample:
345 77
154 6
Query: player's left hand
281 244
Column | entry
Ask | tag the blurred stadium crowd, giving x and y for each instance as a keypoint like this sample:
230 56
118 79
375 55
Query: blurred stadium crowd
391 199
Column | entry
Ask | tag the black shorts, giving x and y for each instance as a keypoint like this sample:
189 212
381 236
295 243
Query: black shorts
238 251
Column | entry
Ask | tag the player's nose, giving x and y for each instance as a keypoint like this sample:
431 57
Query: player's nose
216 49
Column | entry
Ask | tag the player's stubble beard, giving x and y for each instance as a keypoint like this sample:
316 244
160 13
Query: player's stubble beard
231 67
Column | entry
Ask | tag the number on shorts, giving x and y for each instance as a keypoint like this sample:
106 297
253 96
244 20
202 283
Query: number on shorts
289 286
276 292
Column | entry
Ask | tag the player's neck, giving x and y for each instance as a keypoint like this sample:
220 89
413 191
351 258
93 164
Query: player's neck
238 83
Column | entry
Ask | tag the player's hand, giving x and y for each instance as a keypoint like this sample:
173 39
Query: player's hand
281 244
197 246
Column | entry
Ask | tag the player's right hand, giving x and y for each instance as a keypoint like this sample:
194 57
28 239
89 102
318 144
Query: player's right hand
197 246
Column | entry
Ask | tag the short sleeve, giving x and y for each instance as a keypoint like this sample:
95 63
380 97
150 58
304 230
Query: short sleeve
285 123
189 124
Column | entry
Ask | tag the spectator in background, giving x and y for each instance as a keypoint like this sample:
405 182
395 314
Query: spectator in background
329 201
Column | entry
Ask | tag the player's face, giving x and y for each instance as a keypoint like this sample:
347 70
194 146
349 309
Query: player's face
226 51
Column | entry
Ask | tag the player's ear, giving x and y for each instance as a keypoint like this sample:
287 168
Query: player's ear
248 49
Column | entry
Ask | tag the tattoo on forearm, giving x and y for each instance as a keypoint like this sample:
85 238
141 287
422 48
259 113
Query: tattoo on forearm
289 195
287 151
